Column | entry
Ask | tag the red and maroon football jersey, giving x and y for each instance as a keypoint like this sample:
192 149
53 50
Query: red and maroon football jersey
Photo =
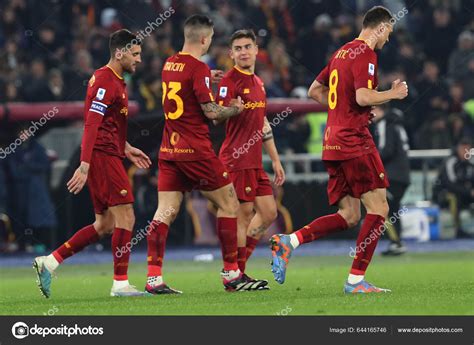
351 67
186 85
242 147
107 96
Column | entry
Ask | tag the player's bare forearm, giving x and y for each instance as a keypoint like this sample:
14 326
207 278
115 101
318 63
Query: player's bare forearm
218 112
269 142
319 92
270 148
368 97
84 167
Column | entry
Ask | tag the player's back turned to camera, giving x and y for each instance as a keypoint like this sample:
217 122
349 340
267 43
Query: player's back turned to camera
347 85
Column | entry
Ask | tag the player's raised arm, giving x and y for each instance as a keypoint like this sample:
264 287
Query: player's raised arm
368 97
214 111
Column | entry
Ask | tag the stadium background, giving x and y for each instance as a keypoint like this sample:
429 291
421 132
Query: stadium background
49 50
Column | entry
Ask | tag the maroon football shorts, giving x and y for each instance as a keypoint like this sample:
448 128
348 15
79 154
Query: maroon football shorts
108 182
355 176
184 176
250 183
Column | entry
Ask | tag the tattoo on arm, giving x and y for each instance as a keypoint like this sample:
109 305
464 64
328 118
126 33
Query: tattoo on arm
218 112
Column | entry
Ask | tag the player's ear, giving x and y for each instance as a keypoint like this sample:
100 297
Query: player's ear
118 54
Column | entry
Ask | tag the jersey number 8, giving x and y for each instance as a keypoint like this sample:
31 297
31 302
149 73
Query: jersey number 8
332 95
170 91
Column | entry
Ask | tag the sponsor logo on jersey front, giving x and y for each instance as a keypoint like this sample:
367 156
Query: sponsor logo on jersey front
253 105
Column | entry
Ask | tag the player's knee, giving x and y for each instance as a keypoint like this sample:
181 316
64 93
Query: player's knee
166 214
126 218
352 218
384 208
269 216
231 207
104 228
246 216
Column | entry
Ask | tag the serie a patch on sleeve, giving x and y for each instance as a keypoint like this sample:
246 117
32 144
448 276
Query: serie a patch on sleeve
98 107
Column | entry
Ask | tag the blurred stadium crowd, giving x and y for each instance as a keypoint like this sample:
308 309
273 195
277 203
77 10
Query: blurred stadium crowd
50 48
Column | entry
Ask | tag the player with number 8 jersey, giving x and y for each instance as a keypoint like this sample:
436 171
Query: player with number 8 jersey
356 173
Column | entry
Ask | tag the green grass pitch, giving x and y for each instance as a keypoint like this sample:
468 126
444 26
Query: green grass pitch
422 284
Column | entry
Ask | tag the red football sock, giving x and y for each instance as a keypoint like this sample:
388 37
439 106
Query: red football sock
251 244
321 227
227 233
156 242
241 258
121 252
367 239
76 243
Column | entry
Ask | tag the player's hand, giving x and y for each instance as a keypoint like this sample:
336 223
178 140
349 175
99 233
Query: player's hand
79 179
279 178
399 89
372 116
237 103
216 76
138 157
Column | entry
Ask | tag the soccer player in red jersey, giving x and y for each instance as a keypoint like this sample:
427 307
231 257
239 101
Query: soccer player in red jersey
241 151
104 146
356 173
187 160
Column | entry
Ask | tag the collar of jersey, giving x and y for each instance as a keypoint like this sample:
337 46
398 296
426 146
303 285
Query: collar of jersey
243 72
116 74
361 39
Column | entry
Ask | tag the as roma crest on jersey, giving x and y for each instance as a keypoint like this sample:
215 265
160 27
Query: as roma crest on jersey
92 80
124 111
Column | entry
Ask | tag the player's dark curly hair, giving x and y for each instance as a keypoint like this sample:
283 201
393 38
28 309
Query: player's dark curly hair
375 16
122 39
243 33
